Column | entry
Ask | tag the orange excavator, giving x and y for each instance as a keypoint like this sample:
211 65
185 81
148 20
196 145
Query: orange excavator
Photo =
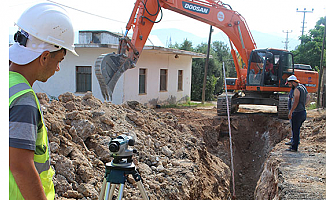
260 78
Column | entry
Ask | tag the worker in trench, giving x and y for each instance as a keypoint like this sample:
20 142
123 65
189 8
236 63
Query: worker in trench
297 113
41 43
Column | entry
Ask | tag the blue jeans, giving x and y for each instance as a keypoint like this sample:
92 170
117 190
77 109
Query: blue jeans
297 119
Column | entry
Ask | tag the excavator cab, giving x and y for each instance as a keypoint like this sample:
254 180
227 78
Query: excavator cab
269 67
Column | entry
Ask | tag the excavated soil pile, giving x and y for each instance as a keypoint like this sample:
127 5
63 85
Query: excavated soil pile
173 163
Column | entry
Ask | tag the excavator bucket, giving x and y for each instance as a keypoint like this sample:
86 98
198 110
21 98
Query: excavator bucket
108 69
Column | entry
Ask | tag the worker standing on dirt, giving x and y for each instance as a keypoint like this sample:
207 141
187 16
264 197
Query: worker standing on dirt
289 107
45 33
297 113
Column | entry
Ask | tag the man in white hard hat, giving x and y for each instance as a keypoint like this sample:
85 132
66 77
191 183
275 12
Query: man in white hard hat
297 113
44 37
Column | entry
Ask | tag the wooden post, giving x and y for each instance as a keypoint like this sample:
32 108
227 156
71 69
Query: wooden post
320 85
324 88
206 66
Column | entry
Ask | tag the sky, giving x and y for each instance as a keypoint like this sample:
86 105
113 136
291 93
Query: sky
277 16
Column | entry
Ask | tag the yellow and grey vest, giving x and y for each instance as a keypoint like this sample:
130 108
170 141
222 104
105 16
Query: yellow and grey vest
18 86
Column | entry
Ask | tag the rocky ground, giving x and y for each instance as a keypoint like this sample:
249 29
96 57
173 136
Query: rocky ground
172 162
183 153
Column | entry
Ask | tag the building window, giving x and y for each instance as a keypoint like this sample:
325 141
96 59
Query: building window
163 79
142 81
83 78
180 80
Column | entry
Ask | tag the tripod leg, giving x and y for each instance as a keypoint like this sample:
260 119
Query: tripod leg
142 190
122 186
110 191
103 189
107 190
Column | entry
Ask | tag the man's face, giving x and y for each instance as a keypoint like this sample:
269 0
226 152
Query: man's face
291 84
52 65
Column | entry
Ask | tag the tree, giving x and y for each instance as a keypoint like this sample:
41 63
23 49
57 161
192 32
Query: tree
186 45
309 51
198 69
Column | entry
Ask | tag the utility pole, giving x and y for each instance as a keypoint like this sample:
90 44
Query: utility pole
321 68
206 65
287 39
304 18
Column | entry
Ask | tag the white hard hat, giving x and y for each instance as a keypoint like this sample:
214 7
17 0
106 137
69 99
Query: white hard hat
48 23
292 78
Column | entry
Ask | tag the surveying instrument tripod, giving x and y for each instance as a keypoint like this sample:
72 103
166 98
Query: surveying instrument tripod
116 174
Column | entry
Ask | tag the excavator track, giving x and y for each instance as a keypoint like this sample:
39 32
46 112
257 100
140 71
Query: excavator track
222 106
282 108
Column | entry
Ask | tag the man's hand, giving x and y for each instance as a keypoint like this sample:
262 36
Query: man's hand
21 165
290 114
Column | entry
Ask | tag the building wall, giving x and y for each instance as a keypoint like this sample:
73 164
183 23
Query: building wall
153 62
65 80
127 88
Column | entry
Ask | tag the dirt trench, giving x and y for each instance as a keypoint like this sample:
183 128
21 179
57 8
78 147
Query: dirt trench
253 135
253 138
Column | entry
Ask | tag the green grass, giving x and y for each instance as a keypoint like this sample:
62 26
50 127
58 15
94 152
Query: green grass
312 106
187 104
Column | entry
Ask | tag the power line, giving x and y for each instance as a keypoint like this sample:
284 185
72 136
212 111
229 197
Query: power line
304 18
86 12
287 39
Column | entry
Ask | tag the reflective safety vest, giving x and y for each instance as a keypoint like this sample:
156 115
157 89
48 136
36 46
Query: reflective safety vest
18 86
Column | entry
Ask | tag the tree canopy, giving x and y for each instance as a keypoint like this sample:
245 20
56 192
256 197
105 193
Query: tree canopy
214 84
309 51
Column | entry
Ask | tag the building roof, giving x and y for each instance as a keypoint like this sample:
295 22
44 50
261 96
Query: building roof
152 44
156 49
101 31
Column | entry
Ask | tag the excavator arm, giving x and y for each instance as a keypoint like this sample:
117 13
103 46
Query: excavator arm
109 67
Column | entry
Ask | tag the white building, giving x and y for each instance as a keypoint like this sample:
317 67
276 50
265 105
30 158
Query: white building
162 75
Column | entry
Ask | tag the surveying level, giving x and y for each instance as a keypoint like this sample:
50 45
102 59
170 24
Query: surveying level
119 168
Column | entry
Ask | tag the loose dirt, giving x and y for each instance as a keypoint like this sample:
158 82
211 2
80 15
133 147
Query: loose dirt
184 153
259 149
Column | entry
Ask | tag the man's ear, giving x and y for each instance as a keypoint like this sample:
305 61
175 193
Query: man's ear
44 58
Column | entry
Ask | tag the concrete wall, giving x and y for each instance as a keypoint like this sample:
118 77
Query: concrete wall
153 62
128 85
65 80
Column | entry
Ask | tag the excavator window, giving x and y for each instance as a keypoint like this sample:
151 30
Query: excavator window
256 68
271 69
286 65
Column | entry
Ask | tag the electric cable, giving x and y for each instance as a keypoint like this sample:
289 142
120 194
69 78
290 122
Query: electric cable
85 12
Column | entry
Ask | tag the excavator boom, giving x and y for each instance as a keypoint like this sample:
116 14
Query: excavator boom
109 67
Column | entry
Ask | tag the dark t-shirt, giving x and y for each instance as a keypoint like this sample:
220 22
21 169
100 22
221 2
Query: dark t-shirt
24 122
